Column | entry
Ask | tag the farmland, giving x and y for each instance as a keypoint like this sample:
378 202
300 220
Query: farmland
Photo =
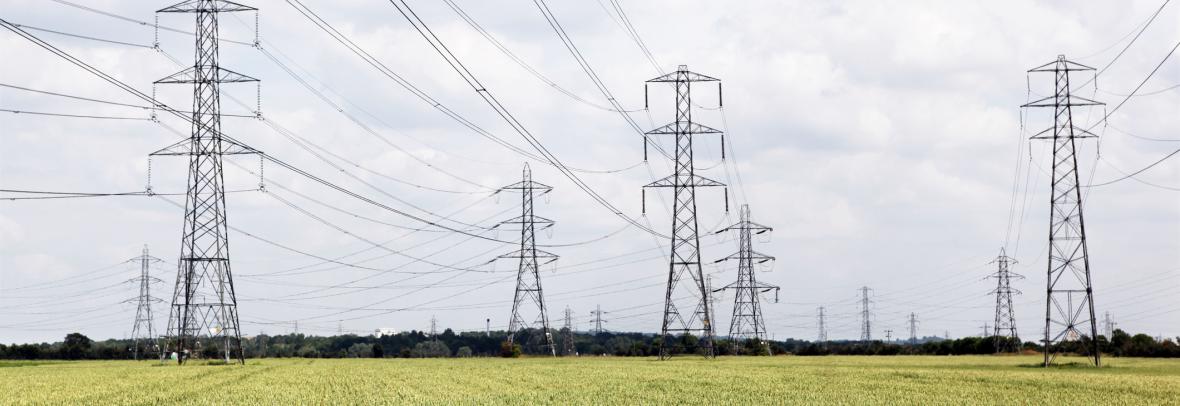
727 380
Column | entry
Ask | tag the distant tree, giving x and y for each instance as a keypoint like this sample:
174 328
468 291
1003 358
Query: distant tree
690 343
360 350
618 346
430 349
75 346
307 351
378 351
755 347
509 350
463 352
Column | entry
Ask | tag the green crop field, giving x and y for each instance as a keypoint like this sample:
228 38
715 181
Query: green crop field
587 380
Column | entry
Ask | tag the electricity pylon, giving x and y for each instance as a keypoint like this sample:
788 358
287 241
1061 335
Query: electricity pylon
1108 326
597 313
913 328
1007 340
204 304
686 253
822 334
747 322
1069 306
866 330
528 274
568 332
143 333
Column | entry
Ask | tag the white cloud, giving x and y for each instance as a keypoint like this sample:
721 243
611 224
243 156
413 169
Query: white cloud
878 138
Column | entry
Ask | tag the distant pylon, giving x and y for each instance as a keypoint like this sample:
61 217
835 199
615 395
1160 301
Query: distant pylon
712 295
822 333
1007 340
528 273
204 304
986 330
143 333
568 332
686 255
1069 305
597 313
888 335
433 328
913 328
866 328
747 322
1108 325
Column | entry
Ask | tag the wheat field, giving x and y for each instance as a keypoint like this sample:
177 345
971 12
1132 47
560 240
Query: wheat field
598 380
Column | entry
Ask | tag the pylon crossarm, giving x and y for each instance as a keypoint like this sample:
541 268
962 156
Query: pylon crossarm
1069 66
192 75
537 220
1048 134
537 187
682 127
205 6
692 181
731 257
1071 101
185 148
688 77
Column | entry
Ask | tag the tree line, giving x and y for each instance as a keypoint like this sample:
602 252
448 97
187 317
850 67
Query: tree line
418 344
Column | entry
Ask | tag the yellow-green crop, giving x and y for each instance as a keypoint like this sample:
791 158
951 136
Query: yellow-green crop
598 380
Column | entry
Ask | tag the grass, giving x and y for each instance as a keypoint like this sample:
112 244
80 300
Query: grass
591 380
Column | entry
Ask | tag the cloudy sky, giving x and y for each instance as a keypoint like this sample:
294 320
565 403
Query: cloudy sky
882 140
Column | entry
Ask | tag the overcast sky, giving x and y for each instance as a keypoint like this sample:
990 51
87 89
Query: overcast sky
882 140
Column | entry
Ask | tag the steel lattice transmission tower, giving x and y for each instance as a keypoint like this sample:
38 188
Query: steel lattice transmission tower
822 333
597 313
1006 337
1069 306
568 333
866 330
528 274
686 254
204 304
913 321
1108 326
143 333
747 322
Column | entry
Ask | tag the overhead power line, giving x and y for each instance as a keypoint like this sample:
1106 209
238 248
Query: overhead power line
1124 101
527 67
299 171
1141 170
1125 48
634 34
419 93
140 22
111 41
503 112
67 115
73 97
1136 90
